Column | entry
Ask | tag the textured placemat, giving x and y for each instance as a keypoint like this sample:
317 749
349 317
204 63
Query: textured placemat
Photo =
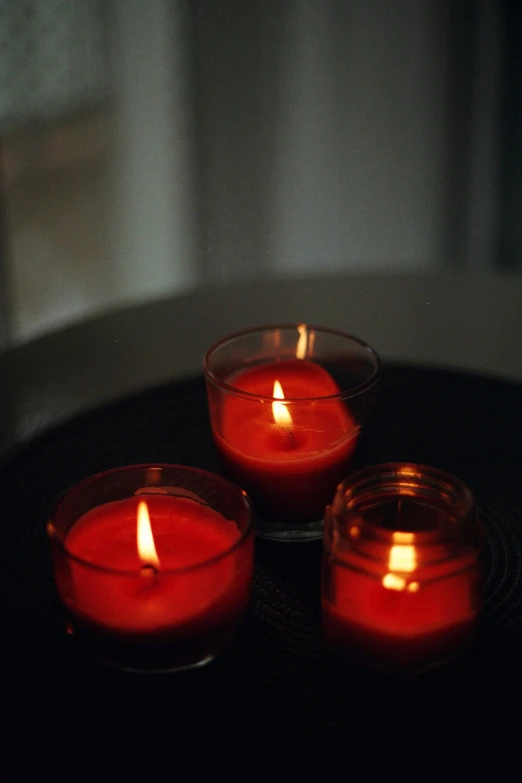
276 690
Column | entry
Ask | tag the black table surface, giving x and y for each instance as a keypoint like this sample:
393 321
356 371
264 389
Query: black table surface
276 696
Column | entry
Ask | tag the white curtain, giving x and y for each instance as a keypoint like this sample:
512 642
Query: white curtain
278 137
322 134
361 135
51 59
52 66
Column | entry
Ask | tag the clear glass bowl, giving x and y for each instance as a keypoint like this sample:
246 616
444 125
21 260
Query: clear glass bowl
402 576
287 403
176 608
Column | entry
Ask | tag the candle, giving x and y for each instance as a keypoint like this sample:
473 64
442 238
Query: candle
160 570
402 577
285 428
290 455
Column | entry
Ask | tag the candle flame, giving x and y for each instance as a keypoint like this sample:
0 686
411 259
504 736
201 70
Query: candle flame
302 343
280 410
403 558
145 539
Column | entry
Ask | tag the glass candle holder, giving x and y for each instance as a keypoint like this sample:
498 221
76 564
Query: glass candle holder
153 565
402 572
287 403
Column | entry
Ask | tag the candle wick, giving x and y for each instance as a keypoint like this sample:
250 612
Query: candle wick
149 571
289 439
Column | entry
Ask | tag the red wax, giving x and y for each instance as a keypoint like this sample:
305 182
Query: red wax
130 600
290 471
425 622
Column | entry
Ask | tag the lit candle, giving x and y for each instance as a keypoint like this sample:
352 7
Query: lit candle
402 577
153 570
286 407
288 455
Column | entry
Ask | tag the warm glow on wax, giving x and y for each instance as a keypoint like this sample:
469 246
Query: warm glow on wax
394 582
402 538
145 539
279 409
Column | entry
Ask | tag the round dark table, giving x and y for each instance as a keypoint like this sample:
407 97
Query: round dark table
275 697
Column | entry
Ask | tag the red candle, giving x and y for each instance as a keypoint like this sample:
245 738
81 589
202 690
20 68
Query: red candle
400 619
285 441
143 598
400 599
286 430
159 569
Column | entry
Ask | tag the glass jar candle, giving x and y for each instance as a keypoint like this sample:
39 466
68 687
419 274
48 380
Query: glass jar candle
153 565
287 404
402 572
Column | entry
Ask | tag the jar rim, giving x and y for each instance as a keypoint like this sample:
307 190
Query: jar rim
431 487
343 394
